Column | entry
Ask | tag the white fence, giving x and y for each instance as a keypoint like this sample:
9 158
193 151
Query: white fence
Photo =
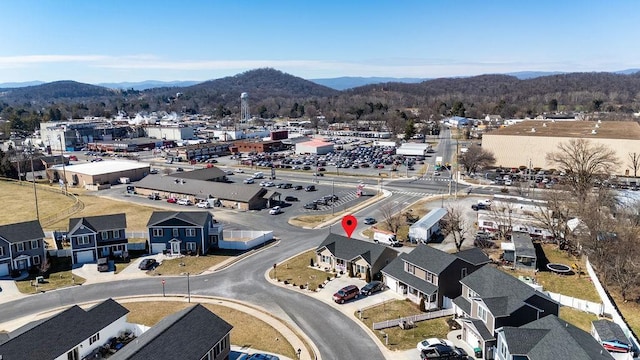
580 304
609 307
137 246
244 239
60 253
137 235
413 319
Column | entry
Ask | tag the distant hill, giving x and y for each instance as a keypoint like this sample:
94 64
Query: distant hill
8 85
523 75
55 91
148 84
349 82
628 71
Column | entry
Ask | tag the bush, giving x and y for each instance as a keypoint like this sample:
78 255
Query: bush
422 306
301 287
320 286
328 278
311 262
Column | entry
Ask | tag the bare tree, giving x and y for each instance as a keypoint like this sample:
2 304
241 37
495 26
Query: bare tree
476 157
391 218
502 215
623 268
554 214
454 223
584 162
634 159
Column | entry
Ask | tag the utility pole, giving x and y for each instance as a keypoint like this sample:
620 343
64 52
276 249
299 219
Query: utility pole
33 178
188 287
64 172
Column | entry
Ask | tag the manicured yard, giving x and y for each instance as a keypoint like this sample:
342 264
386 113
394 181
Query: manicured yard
297 271
247 330
577 318
403 339
59 276
188 264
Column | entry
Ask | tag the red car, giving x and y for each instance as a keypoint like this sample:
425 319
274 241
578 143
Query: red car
172 200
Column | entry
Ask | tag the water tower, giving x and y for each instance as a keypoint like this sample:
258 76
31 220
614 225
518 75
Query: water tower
244 107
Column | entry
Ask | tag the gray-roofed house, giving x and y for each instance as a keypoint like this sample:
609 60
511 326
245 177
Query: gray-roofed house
431 274
94 237
547 338
175 233
74 333
236 196
21 246
606 330
339 253
194 333
212 173
520 251
492 299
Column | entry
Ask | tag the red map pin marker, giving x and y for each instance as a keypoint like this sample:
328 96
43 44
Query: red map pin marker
349 223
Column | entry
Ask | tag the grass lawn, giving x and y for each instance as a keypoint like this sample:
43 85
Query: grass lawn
578 318
188 264
19 202
630 311
59 276
403 339
247 330
297 271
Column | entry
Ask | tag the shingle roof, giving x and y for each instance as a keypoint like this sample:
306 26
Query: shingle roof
481 328
348 249
23 231
187 334
195 218
463 304
552 338
523 244
429 258
395 269
60 333
206 174
201 188
101 222
473 256
608 331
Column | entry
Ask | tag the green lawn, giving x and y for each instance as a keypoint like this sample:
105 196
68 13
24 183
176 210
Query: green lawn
58 276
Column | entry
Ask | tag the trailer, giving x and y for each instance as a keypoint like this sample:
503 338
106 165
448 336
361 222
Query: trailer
427 227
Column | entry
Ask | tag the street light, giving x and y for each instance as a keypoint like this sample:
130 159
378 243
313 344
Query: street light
299 352
64 172
188 288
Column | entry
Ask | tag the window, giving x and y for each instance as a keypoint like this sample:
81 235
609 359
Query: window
116 234
326 259
105 235
361 269
411 268
1 251
463 273
73 355
503 349
471 293
36 260
191 246
430 277
83 240
35 244
20 247
94 338
157 232
482 313
176 232
191 232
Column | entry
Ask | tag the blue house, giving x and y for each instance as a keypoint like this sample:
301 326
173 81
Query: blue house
193 232
94 237
21 246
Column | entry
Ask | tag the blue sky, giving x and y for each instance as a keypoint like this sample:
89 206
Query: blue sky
123 40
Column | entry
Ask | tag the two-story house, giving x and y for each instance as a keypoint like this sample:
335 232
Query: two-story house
188 232
492 299
95 237
548 338
431 274
21 246
340 253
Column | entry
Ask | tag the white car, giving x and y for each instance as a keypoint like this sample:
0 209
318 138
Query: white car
275 210
248 181
184 202
427 343
240 171
203 204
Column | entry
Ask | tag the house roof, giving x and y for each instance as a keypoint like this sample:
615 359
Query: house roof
206 174
201 188
473 256
23 231
430 219
192 218
480 328
60 333
100 222
553 338
187 334
608 331
348 249
463 304
430 258
572 129
523 244
395 269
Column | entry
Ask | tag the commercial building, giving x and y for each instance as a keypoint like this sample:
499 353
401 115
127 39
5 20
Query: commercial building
247 146
99 172
314 146
177 132
527 143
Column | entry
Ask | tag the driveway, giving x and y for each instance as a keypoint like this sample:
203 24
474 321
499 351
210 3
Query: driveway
92 275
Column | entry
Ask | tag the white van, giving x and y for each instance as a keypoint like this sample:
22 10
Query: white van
385 238
258 175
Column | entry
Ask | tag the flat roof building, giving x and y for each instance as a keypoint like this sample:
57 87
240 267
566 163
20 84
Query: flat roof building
99 172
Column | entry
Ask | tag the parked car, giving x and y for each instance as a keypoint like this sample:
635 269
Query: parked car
147 264
275 210
153 171
203 204
480 206
262 357
291 198
369 221
248 181
346 293
432 342
287 186
185 202
179 169
154 196
310 188
298 187
172 200
311 206
103 264
372 287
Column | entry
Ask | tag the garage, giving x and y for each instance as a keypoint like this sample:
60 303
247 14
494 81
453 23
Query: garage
84 257
4 269
158 248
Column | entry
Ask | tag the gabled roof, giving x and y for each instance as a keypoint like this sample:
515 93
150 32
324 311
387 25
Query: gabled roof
23 231
173 218
608 331
53 337
348 249
100 222
473 256
395 269
206 174
201 188
552 338
430 258
187 334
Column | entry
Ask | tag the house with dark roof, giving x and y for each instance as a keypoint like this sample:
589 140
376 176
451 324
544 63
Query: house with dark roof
340 253
613 338
21 246
492 299
431 274
74 333
547 338
183 232
194 333
95 237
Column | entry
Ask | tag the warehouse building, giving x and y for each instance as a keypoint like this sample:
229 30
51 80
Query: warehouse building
413 149
107 172
314 146
527 143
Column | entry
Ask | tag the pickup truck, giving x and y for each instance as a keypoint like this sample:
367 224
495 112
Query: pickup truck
480 206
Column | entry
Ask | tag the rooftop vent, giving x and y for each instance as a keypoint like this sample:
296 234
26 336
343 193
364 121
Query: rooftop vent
594 131
533 129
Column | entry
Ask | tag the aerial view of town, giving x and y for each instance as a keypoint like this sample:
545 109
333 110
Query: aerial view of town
246 180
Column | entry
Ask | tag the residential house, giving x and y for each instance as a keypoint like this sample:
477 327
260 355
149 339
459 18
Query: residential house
194 333
547 338
431 274
492 299
520 251
612 336
339 253
96 237
192 232
21 246
73 334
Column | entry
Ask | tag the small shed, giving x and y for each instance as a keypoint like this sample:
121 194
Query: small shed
428 226
520 251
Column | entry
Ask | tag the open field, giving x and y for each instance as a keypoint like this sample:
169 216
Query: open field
403 339
247 330
18 201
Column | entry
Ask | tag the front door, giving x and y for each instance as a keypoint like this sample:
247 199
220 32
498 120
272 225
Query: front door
22 264
175 248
